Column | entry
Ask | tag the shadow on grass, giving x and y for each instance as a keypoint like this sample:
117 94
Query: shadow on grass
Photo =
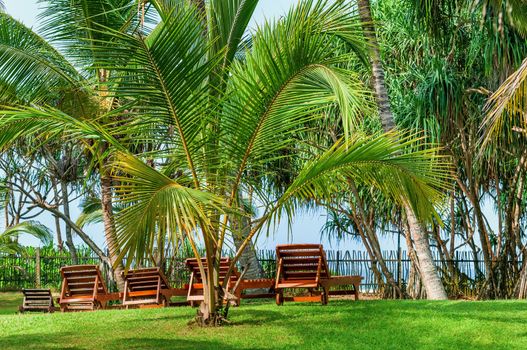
42 341
58 340
256 317
173 344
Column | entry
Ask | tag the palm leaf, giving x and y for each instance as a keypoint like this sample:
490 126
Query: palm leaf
33 228
73 25
31 70
153 203
505 109
229 20
420 176
166 75
282 85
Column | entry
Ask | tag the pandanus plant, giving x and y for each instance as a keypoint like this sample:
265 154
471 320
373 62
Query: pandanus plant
196 114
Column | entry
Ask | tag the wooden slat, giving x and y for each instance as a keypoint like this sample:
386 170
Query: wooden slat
142 293
37 297
303 253
176 292
141 301
257 283
82 278
74 268
315 298
297 284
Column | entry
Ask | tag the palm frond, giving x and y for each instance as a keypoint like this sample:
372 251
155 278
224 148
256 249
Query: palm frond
89 218
505 109
420 176
31 70
74 24
229 20
285 83
33 228
50 123
166 74
154 203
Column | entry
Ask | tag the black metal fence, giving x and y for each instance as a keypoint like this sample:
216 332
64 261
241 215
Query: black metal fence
38 270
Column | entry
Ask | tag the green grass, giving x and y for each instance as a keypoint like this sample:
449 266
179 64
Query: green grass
340 325
9 303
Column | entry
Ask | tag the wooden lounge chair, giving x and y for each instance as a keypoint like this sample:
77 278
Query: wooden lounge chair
237 284
37 300
148 287
305 266
83 288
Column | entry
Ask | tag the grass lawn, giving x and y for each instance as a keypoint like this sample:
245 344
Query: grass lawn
340 325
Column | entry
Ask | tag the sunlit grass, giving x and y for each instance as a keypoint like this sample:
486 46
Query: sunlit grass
263 325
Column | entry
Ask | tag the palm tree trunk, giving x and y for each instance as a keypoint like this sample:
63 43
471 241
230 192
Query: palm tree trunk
431 280
109 229
381 93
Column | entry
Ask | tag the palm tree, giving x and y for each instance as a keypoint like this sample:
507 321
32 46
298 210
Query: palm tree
215 119
36 72
448 103
430 277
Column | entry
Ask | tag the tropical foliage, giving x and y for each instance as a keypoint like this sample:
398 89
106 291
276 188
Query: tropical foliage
182 117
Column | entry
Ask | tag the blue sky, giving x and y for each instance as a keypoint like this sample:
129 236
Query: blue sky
27 10
306 226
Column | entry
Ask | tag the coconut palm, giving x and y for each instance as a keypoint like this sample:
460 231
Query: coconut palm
215 111
430 277
36 72
448 76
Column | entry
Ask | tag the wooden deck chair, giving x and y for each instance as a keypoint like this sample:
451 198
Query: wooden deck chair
37 300
83 288
237 284
146 287
305 266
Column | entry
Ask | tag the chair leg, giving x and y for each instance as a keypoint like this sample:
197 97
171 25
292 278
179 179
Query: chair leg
324 296
280 297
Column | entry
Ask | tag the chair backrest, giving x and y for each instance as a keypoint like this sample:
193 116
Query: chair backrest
82 280
302 262
37 298
225 262
146 279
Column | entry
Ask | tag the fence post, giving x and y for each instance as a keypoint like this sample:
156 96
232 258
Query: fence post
338 262
37 267
399 259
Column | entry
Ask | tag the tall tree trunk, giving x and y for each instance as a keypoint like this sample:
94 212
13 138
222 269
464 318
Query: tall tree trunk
68 233
56 200
374 242
248 259
109 228
431 280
